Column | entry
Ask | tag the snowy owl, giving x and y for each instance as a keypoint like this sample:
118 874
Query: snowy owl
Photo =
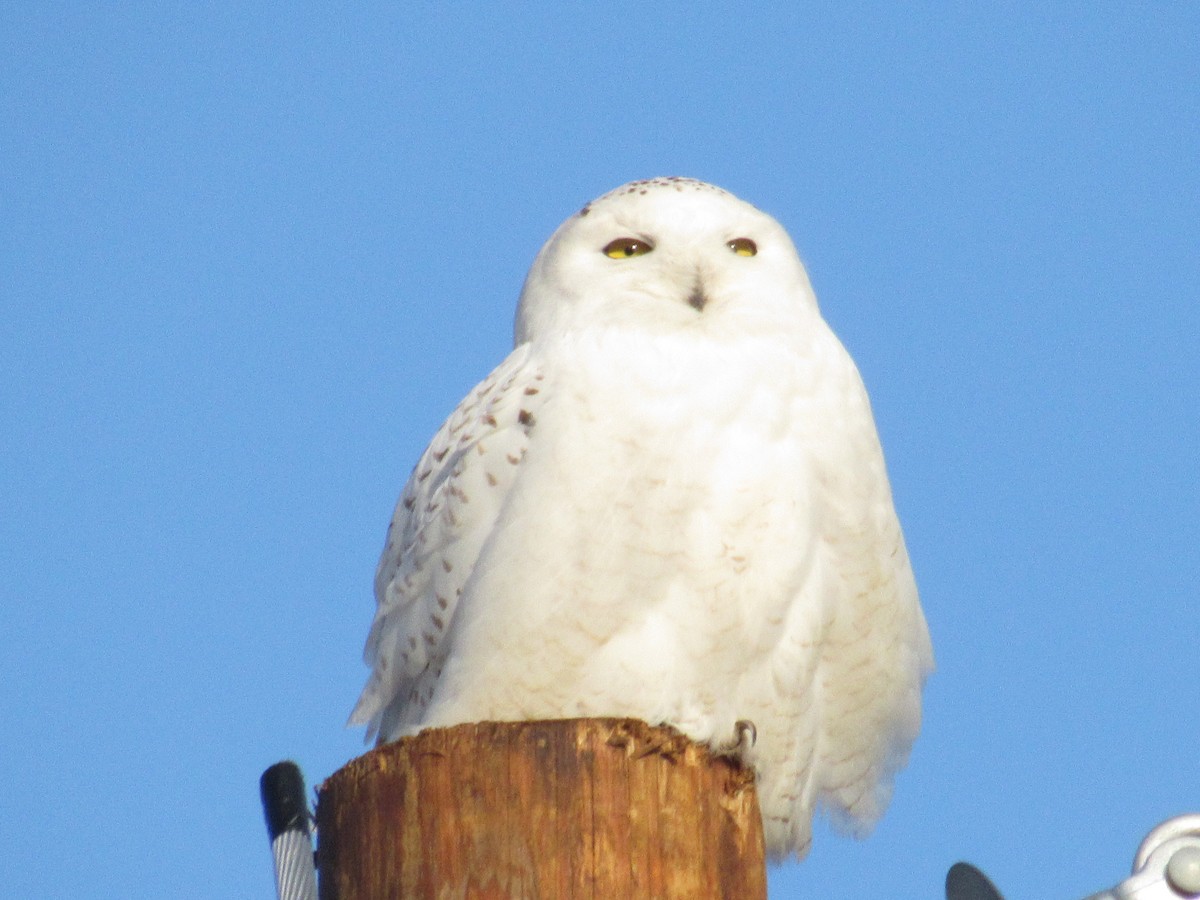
669 502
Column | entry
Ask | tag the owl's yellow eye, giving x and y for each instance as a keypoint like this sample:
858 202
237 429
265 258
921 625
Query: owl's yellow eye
743 247
623 248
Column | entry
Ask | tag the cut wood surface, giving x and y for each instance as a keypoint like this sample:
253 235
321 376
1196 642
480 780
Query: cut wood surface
589 808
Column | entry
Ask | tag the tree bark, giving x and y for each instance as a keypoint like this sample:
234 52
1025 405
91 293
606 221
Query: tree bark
587 808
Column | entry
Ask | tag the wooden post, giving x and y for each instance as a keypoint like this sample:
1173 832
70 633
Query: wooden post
572 808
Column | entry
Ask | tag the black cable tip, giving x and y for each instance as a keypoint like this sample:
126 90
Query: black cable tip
284 805
965 882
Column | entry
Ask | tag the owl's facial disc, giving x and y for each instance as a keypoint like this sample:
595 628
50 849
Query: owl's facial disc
662 254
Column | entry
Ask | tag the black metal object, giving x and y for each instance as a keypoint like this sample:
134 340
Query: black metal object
965 882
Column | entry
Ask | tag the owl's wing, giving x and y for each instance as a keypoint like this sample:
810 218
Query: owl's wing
877 651
446 512
846 674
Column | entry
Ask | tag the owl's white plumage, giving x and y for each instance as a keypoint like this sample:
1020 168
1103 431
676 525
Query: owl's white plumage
669 502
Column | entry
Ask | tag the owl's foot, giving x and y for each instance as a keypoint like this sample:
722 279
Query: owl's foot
745 736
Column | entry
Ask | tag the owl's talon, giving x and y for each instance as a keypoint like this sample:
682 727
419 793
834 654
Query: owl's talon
745 736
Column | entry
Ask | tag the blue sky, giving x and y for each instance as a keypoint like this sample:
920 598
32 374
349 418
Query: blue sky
251 256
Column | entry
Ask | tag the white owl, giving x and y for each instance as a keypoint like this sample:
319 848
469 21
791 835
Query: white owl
669 502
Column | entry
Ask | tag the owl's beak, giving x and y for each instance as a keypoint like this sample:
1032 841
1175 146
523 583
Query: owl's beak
698 298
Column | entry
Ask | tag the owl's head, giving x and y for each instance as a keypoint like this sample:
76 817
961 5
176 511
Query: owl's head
663 255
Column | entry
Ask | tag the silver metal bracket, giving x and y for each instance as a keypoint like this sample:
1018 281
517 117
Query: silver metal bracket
1166 867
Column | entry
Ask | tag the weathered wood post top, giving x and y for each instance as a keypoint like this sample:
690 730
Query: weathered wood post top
571 808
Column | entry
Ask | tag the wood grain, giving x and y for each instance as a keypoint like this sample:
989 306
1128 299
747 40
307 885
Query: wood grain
588 808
